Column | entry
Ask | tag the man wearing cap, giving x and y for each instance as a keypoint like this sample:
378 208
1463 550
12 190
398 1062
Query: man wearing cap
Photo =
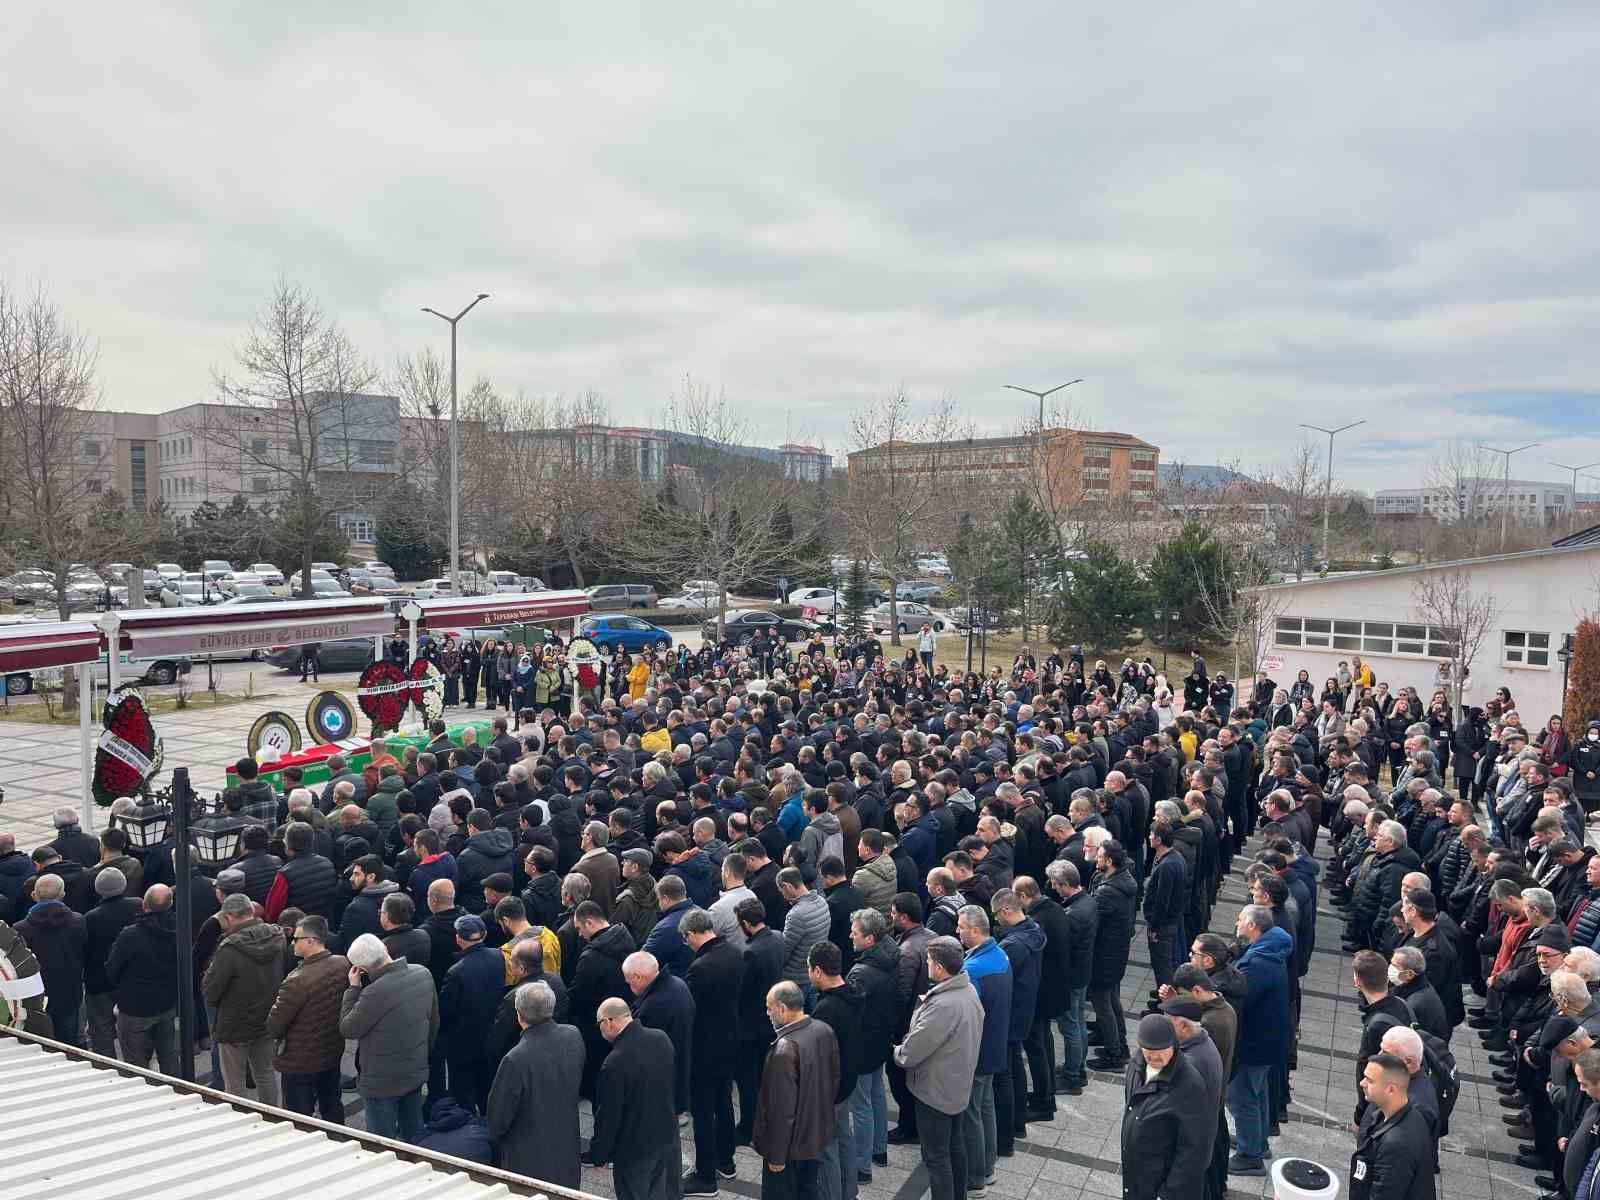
1442 964
102 923
1167 1123
467 1004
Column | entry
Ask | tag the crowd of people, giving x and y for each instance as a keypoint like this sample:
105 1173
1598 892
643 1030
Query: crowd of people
765 892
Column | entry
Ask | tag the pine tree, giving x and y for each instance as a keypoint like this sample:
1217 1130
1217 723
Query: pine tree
853 604
1103 603
1177 568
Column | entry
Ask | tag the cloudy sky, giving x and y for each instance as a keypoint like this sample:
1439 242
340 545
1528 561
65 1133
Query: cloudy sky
1228 218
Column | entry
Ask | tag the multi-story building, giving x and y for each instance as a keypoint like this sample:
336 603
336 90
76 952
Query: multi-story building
809 464
1077 465
1531 501
596 449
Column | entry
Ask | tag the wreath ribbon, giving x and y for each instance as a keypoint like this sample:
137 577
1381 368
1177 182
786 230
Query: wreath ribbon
120 748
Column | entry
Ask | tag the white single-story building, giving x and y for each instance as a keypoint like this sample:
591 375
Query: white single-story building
1541 595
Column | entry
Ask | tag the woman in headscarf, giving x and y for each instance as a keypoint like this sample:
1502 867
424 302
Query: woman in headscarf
1553 746
522 683
639 678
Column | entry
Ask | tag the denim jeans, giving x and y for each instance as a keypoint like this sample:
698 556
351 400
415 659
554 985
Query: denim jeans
942 1140
869 1115
979 1132
314 1093
1075 1038
836 1172
1247 1101
140 1036
397 1117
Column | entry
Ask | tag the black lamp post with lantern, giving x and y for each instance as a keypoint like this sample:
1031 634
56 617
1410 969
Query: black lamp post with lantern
146 823
1565 655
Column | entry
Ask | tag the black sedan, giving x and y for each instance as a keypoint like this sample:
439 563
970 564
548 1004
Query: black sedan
743 623
344 654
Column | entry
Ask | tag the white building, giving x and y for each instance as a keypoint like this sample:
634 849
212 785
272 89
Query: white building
1532 501
1541 595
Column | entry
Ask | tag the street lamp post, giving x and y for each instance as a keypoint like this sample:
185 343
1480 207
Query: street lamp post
455 447
1572 511
1040 396
1327 483
1505 487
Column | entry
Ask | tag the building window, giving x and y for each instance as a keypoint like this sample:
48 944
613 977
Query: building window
91 448
258 446
92 486
1389 638
258 484
374 451
1521 648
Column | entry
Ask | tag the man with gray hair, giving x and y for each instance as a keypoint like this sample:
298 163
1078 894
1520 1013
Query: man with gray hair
57 936
392 1011
1378 888
940 1053
599 866
533 1104
71 842
241 983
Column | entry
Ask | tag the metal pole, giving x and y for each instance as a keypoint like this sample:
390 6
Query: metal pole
455 443
85 758
1327 483
1572 509
1505 487
182 797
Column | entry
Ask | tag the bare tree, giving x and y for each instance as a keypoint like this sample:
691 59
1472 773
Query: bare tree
299 418
1239 600
1299 487
1459 620
422 385
901 473
720 513
1459 488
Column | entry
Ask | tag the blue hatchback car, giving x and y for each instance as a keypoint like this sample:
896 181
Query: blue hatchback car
621 632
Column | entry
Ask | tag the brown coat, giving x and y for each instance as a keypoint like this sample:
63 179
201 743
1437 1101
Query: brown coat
305 1016
850 832
604 873
794 1116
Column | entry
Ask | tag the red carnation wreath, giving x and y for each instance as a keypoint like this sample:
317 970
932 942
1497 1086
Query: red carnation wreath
383 691
129 751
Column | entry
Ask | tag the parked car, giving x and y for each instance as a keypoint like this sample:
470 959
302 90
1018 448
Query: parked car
380 568
623 595
819 598
362 582
28 586
117 572
530 583
320 580
697 598
215 568
909 616
330 567
230 583
430 589
699 585
342 654
169 570
934 564
504 581
742 624
268 574
625 633
917 589
153 583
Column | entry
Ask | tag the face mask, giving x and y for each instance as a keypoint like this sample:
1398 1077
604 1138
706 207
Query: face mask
1594 735
1394 974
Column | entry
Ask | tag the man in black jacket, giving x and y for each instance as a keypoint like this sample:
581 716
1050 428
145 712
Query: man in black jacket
103 923
139 969
1380 1011
1394 1151
1079 926
1168 1121
763 966
635 1127
715 978
877 974
840 1006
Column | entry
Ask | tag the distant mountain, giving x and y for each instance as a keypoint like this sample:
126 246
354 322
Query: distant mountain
1193 476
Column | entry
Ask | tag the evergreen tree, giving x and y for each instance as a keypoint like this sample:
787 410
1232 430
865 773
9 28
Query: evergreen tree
407 540
1104 602
852 605
1177 569
1029 553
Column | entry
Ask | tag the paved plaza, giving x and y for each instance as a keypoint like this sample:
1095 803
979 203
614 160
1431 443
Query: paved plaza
1076 1154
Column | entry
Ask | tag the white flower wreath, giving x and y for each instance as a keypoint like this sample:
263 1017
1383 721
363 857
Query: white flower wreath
432 687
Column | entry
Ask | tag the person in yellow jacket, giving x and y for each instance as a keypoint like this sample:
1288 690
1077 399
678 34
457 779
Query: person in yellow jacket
638 678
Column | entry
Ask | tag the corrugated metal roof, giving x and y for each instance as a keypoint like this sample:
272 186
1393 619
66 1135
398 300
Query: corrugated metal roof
1565 546
82 1132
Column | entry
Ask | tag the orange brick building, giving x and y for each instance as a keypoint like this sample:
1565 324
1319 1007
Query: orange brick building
1080 464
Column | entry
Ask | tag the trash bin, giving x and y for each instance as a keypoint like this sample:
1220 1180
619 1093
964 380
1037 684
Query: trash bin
1302 1179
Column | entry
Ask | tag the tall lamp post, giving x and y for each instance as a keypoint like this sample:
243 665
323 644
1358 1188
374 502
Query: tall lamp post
1040 397
1327 483
455 447
1572 512
1505 487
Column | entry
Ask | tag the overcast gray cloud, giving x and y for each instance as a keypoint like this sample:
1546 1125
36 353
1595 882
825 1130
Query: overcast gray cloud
1229 218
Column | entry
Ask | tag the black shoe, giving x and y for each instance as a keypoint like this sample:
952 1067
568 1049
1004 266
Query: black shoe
1520 1131
693 1185
348 1083
1482 1022
1108 1064
1273 1130
1549 1182
1498 1046
1504 1077
900 1137
1511 1102
1067 1089
863 1176
1505 1062
1530 1160
881 1160
727 1170
1240 1165
1037 1112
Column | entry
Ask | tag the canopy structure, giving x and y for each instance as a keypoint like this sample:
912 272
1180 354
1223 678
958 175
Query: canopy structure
485 612
150 632
34 645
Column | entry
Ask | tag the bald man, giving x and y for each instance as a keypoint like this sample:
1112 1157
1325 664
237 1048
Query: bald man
635 1125
140 971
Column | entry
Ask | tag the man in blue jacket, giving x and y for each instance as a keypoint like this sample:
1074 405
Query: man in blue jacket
1023 942
919 835
1263 1039
990 972
467 1002
1165 898
665 942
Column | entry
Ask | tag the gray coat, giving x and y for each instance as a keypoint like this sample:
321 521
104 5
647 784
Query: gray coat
940 1050
395 1017
806 923
533 1105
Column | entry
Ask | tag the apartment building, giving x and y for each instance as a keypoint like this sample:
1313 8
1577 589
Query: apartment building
1078 464
1531 501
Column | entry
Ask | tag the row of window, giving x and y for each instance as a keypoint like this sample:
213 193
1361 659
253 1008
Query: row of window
1397 639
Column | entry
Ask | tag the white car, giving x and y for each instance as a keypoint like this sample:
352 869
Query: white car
504 581
430 589
215 568
699 585
698 599
819 598
320 581
233 580
380 568
169 570
267 573
934 565
909 617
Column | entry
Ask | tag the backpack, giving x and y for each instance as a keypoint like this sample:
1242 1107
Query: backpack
1440 1066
